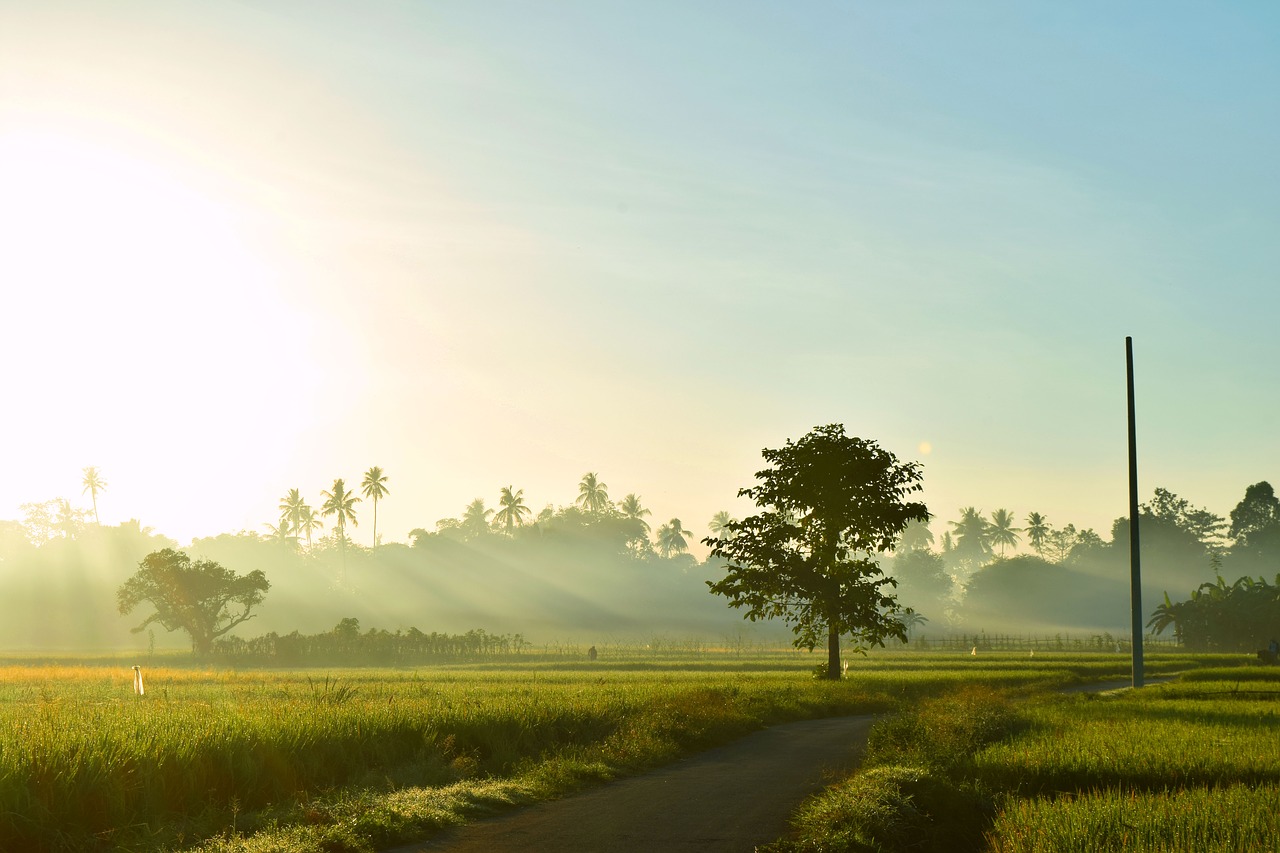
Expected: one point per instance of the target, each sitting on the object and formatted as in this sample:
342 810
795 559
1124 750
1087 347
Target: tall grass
1184 766
1233 818
1190 766
351 759
86 765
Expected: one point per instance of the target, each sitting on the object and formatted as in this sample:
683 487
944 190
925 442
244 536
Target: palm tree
719 525
291 510
70 521
916 536
282 532
911 620
93 483
513 510
1002 531
630 508
475 519
309 521
374 487
593 495
341 503
973 537
671 538
1037 531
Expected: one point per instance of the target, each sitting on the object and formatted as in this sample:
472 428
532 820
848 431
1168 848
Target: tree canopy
831 503
202 598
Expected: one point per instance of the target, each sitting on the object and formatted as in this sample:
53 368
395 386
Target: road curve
724 800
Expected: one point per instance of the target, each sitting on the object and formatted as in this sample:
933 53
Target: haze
249 247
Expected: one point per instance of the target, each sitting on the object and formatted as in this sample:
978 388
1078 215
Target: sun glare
127 284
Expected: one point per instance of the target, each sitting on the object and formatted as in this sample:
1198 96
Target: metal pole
1135 570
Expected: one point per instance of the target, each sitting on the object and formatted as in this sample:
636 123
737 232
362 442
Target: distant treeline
594 576
346 645
971 576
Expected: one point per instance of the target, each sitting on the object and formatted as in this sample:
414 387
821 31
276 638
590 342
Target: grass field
360 759
1193 765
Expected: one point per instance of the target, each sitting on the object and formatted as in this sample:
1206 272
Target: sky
253 246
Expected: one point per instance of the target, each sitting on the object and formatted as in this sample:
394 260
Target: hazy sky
252 246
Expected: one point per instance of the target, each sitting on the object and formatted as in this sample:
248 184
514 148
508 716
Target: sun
131 288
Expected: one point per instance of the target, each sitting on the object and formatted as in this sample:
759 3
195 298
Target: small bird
137 681
974 651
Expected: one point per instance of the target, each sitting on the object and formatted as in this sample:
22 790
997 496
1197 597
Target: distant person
591 653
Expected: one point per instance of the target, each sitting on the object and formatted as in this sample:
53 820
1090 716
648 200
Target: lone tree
831 503
202 598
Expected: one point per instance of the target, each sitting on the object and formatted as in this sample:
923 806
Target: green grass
357 758
360 759
1191 765
1232 818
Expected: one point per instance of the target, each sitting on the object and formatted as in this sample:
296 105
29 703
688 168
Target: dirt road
725 800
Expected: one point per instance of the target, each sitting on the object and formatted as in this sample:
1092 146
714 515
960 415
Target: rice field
1189 765
1192 766
358 759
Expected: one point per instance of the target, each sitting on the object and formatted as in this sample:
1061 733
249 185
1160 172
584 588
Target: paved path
725 800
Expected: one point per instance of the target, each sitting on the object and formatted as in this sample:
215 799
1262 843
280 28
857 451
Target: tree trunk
201 643
833 652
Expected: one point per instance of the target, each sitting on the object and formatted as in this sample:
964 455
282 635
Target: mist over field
599 574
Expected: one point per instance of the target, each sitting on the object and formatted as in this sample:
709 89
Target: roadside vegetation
1185 766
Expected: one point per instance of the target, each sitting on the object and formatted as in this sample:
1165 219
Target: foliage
972 540
1255 527
93 483
1002 533
916 536
631 508
593 495
1037 530
202 598
1026 591
346 646
1240 617
475 520
923 582
513 512
831 502
671 538
374 487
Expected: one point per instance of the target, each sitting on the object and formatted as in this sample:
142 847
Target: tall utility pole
1135 570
